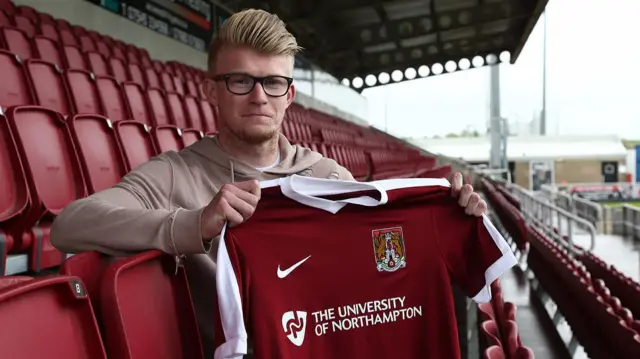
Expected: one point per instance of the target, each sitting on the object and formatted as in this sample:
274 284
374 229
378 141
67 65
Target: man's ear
210 91
291 95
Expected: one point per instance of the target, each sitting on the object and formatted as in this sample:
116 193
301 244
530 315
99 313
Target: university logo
295 325
388 249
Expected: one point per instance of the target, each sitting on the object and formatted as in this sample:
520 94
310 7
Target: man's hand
471 201
234 203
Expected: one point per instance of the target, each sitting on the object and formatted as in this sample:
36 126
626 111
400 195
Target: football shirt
335 269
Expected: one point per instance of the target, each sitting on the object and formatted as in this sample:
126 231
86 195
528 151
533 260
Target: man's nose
257 95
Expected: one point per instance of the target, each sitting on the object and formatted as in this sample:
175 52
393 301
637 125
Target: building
536 160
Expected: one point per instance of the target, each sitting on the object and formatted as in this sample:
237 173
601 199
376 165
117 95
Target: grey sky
593 80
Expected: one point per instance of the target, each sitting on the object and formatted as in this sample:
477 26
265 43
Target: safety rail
582 207
555 222
630 221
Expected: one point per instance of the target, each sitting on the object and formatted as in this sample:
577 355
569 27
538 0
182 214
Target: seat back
135 143
138 106
176 108
208 117
14 87
158 107
13 186
73 56
97 146
191 136
89 267
193 113
167 138
53 313
147 309
112 99
51 165
17 41
49 86
48 50
83 91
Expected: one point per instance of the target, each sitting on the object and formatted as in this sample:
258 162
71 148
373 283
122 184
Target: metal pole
495 125
543 114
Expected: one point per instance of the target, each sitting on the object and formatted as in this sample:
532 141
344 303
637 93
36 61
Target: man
179 202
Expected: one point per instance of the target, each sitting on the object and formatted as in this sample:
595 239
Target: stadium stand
602 318
73 123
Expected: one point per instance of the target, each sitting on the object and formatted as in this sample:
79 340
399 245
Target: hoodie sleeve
134 215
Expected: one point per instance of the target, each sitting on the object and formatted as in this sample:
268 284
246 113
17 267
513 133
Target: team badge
388 248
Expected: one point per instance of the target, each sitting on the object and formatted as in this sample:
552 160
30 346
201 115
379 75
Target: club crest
388 249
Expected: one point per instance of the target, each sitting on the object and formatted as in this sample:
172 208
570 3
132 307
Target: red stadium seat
54 176
49 86
158 107
137 324
177 110
83 91
135 142
192 89
14 87
25 24
112 99
208 117
97 64
48 50
103 48
89 267
67 38
73 58
12 180
118 69
97 146
135 74
167 138
190 136
87 44
166 82
193 113
17 41
152 79
135 97
49 317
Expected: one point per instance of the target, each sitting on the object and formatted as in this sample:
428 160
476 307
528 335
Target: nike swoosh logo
286 272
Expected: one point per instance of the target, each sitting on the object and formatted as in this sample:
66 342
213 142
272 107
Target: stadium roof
354 39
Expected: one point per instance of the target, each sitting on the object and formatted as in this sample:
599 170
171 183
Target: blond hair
257 29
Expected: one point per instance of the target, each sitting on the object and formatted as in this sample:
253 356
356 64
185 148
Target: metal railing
554 221
583 208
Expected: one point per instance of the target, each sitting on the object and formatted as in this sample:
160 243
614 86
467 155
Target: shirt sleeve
230 334
473 250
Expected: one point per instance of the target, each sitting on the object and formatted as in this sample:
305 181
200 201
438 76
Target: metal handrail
541 213
630 219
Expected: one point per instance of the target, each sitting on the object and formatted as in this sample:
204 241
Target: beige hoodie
158 206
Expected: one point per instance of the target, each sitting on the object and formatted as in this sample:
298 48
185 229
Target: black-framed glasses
242 84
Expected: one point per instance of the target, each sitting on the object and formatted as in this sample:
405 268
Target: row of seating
507 209
621 286
499 337
600 321
98 306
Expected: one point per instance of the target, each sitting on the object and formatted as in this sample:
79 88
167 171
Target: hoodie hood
293 159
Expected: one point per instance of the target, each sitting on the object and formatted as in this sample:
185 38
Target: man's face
255 117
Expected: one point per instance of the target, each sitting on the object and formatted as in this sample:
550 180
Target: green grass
617 204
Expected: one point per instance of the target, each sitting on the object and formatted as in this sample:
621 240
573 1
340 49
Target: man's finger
229 214
456 184
481 208
465 195
242 207
471 207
